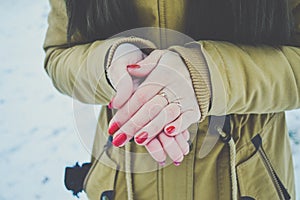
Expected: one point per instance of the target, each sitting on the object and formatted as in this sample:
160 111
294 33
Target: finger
149 111
137 100
156 150
186 135
181 123
118 75
124 90
136 83
154 127
182 143
144 115
171 147
144 67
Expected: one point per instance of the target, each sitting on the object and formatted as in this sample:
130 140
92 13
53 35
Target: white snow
36 122
38 138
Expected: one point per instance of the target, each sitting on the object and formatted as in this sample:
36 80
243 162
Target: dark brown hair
237 21
100 19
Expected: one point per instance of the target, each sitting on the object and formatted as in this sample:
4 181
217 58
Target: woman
245 65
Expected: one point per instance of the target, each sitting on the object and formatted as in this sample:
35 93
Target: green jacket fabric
251 85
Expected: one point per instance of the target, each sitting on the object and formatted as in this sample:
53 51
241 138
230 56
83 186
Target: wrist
199 73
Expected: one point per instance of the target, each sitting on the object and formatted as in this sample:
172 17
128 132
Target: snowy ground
36 122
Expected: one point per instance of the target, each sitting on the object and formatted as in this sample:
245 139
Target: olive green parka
251 86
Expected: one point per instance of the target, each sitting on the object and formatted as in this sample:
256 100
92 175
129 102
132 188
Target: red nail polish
177 163
170 129
133 66
110 104
119 140
113 128
141 137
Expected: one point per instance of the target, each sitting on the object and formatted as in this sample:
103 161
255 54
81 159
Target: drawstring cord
226 138
127 160
128 172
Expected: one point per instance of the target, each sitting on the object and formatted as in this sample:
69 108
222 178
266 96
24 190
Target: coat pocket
257 178
101 178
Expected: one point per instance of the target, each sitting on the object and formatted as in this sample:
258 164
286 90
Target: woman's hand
175 146
126 84
125 57
164 101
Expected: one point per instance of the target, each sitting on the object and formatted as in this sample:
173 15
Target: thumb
144 67
124 89
118 75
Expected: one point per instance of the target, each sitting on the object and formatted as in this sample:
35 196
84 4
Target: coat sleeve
79 71
248 79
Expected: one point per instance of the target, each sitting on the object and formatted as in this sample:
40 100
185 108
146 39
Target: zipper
271 171
281 190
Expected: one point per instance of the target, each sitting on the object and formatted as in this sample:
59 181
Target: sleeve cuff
142 44
199 72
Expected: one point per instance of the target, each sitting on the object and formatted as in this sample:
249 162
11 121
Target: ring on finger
178 103
163 94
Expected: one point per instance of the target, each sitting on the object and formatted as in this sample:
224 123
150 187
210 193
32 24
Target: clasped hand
155 102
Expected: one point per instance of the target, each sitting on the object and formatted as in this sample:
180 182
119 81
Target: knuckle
159 99
173 110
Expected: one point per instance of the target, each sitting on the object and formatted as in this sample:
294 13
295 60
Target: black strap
74 177
247 198
107 195
257 141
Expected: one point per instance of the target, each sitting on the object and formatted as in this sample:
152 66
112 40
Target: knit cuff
199 72
143 44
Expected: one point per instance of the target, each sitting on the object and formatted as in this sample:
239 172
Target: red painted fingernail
119 140
170 129
177 163
141 137
110 104
113 128
162 163
134 66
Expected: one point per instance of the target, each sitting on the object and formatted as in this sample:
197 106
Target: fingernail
110 104
119 140
113 128
162 163
133 66
170 129
141 137
177 163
